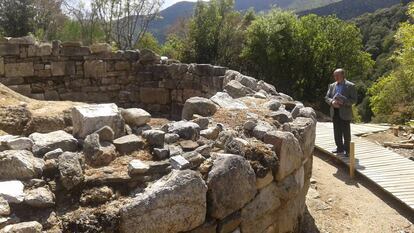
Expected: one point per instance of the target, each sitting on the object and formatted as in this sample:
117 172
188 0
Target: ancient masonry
237 158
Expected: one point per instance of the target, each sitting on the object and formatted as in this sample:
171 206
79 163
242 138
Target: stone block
1 66
179 162
230 223
100 48
135 116
177 201
94 69
137 167
24 69
44 49
9 50
89 118
58 68
19 164
12 191
23 227
45 142
200 106
75 51
24 40
129 143
150 95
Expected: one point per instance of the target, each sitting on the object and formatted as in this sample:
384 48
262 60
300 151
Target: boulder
198 105
247 81
12 191
176 203
225 101
257 215
135 116
20 143
23 227
40 198
19 164
272 105
231 176
288 150
4 207
105 134
90 118
281 115
186 129
262 85
304 130
45 142
70 170
129 143
98 153
237 90
154 138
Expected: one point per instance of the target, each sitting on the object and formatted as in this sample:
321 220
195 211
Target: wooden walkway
389 170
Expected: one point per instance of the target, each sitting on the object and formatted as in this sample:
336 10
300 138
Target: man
341 96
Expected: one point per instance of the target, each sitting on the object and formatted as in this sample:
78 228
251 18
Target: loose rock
154 138
128 144
23 227
198 105
186 129
70 169
19 164
40 198
43 143
136 116
12 191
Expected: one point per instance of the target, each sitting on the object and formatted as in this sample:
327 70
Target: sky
171 2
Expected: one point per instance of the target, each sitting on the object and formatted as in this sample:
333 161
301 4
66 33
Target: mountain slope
184 9
348 9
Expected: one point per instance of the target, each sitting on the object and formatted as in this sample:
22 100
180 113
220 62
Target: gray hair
340 71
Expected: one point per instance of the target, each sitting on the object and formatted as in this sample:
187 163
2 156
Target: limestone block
12 191
23 227
24 40
90 118
94 69
19 164
150 95
198 105
135 116
231 176
129 143
178 201
40 198
237 90
100 48
304 130
74 51
44 49
70 170
45 142
58 68
225 101
185 129
137 166
179 162
288 149
24 69
256 215
9 50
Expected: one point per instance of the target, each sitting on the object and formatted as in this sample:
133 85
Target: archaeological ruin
95 140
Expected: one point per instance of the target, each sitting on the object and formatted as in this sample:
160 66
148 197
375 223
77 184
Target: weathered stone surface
54 154
100 48
154 138
171 138
87 119
24 69
225 101
288 149
256 216
135 116
97 153
40 198
272 105
282 116
105 134
186 129
129 143
188 145
263 182
1 64
198 105
147 95
207 227
230 223
148 56
261 128
262 85
178 200
70 170
96 195
247 81
12 191
202 121
230 176
43 143
20 143
4 207
161 153
308 113
9 49
19 164
179 162
212 132
137 167
304 130
23 227
237 90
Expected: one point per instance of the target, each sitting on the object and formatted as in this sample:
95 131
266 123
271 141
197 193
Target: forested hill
348 9
184 9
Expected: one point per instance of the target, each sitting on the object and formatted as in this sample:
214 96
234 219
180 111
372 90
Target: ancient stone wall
69 71
239 160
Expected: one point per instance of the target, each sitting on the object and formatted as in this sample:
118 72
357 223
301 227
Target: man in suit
341 96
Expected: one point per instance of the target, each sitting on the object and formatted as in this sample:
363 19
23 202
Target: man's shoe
336 151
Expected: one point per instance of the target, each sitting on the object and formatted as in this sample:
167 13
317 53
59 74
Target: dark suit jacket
349 91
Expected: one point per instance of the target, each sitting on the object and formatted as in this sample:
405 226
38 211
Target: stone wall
69 71
239 160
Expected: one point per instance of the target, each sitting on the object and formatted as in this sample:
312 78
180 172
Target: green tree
299 55
16 17
173 47
392 97
148 41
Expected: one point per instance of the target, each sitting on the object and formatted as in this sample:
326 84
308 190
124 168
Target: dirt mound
22 115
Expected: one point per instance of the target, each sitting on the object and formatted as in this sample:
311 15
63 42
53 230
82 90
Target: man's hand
336 104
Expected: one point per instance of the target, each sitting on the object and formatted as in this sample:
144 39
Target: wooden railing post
352 159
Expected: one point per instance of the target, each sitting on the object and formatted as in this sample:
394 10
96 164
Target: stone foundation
239 161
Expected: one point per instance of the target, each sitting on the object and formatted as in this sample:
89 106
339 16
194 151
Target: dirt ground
337 204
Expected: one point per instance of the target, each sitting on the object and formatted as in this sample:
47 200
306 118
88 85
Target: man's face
338 77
